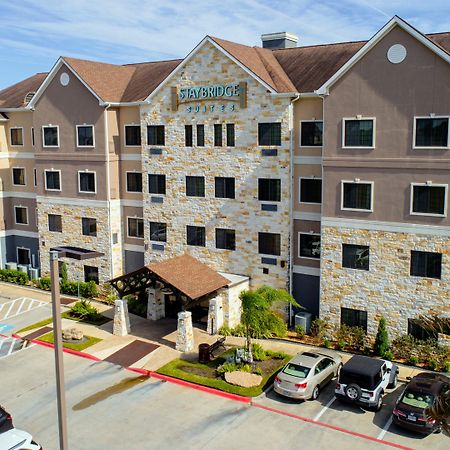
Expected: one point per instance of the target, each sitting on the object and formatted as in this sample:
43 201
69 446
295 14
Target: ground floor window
354 318
23 256
91 274
426 264
416 330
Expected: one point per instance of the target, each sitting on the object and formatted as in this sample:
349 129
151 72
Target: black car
420 393
5 420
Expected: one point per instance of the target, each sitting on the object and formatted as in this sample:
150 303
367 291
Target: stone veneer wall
72 235
118 252
244 162
387 289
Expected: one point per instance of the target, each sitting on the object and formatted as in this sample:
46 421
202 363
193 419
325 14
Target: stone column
215 315
185 332
155 305
121 325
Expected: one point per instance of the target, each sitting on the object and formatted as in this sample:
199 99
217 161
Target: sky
34 33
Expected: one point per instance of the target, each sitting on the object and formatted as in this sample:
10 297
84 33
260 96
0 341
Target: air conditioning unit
33 273
303 319
22 268
11 266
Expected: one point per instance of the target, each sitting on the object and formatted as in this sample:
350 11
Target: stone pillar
185 332
155 305
215 315
121 325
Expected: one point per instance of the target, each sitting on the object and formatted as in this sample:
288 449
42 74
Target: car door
320 372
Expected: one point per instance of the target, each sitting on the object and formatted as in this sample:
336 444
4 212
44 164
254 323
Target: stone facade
121 325
185 332
386 289
244 162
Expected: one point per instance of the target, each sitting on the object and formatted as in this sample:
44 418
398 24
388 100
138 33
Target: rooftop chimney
279 40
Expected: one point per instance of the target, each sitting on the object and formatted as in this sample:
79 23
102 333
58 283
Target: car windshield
296 371
417 399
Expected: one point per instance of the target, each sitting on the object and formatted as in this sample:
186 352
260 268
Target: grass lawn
81 346
40 324
205 374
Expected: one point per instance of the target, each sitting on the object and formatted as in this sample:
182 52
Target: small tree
381 345
64 274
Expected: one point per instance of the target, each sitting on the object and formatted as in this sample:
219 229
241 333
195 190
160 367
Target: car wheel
353 392
315 393
393 383
379 403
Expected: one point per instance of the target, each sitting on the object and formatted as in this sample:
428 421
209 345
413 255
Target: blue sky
34 33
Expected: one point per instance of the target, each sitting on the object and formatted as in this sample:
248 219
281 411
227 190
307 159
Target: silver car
306 374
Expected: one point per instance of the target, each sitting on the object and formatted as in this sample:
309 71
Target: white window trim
300 134
93 136
300 190
126 182
10 137
125 134
15 217
308 234
357 182
45 180
128 226
411 200
43 139
23 248
430 148
24 176
374 133
79 182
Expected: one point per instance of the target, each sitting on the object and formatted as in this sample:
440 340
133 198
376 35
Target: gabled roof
14 96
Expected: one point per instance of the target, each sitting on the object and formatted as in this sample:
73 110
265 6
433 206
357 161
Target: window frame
26 214
230 126
150 231
226 230
270 181
158 175
424 276
93 135
354 268
421 147
82 229
32 137
218 134
43 136
79 182
125 135
359 312
45 180
188 126
203 142
10 137
204 236
126 182
48 223
300 190
196 177
23 248
270 145
300 133
411 199
372 185
164 135
312 258
269 254
84 274
24 176
128 227
374 131
216 180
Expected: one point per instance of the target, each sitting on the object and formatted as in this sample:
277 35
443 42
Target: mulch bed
37 333
131 353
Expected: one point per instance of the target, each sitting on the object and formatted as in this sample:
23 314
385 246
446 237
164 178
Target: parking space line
319 415
21 306
12 350
33 304
385 428
9 310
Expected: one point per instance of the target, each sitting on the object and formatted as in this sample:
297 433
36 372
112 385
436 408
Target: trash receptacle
203 353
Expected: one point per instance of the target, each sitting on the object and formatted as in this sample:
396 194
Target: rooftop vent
279 40
28 97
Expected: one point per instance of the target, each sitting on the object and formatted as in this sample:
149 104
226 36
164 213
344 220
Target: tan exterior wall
131 211
130 115
23 120
130 166
306 109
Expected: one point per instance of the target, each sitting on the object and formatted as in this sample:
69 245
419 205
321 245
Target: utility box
303 319
22 268
11 266
33 273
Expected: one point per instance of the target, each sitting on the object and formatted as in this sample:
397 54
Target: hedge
14 276
87 289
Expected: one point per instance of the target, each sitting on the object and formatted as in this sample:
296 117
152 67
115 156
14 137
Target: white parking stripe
12 348
20 307
386 427
318 416
9 310
32 304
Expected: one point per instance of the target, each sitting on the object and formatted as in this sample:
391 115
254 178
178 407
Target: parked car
363 381
306 374
5 420
420 393
15 439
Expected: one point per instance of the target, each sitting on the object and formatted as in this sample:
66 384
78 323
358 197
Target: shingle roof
14 96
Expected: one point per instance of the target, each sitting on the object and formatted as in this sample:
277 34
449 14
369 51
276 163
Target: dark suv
363 381
420 393
5 420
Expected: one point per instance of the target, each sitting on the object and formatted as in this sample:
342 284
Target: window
359 133
416 330
86 182
195 186
355 256
225 239
430 200
158 231
269 189
269 243
21 215
55 223
89 226
224 187
16 136
200 135
52 180
310 190
18 174
135 227
132 135
188 142
134 182
157 184
431 132
155 135
50 136
309 245
32 136
269 133
354 318
357 196
23 256
35 177
426 264
85 136
218 135
195 236
91 274
230 135
311 133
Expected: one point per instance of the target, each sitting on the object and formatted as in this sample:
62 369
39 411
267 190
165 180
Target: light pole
59 363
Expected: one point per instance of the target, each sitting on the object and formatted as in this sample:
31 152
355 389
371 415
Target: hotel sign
205 92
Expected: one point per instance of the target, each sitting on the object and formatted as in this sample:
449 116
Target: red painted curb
141 371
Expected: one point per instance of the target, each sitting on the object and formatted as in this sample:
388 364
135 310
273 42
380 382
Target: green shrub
227 367
43 283
276 355
64 274
300 331
433 364
14 276
319 327
89 289
225 331
259 354
388 355
238 330
84 310
367 350
258 371
354 337
403 346
341 345
381 345
413 360
326 342
447 366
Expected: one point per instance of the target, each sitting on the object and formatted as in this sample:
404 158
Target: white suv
363 380
15 439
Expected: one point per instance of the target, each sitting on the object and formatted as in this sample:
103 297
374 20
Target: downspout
108 186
